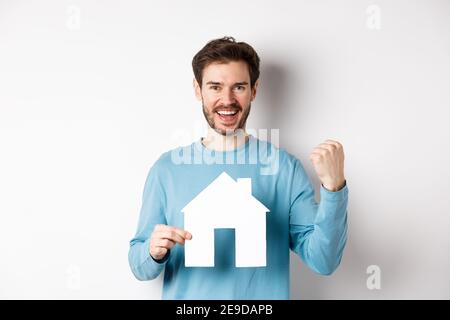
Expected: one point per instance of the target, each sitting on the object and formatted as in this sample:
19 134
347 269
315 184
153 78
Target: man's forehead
230 72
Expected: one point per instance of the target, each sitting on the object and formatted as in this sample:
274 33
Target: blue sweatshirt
316 232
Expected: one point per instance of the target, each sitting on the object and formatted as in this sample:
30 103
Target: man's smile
228 116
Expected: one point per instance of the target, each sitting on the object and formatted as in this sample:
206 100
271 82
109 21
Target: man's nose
228 97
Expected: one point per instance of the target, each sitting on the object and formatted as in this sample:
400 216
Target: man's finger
321 150
164 243
181 232
333 142
328 146
171 235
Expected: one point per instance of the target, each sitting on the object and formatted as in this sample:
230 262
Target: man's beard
209 116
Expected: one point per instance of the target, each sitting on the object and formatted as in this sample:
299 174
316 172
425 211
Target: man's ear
197 90
254 89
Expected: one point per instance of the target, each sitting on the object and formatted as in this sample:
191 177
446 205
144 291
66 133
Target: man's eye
214 88
240 88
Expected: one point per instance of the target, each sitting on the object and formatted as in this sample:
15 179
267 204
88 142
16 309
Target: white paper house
226 203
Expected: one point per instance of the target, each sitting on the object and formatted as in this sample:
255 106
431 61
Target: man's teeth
227 113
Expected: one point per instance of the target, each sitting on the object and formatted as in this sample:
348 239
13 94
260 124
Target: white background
92 92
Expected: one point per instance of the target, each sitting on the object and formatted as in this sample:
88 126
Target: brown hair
224 50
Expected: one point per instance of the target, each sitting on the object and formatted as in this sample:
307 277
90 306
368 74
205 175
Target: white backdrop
92 92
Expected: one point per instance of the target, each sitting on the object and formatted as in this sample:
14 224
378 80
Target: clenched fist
328 161
164 238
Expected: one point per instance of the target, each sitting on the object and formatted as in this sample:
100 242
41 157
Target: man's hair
224 50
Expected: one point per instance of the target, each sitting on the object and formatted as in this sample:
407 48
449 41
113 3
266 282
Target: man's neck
216 141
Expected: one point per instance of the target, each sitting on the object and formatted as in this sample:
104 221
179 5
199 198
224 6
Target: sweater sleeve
152 212
317 232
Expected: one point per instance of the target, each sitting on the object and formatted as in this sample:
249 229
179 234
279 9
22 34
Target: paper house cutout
226 203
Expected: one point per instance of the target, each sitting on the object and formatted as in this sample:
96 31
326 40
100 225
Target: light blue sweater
316 232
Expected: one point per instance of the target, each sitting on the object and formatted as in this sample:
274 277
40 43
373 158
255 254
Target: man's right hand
164 238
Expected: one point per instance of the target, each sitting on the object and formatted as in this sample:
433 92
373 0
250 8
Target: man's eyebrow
242 83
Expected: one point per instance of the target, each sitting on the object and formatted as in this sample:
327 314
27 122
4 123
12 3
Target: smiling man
226 81
226 102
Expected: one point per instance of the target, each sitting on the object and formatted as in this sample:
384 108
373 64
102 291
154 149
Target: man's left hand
328 161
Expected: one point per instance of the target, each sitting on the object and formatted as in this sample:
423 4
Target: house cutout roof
226 191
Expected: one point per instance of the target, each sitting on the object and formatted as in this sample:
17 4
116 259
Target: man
226 81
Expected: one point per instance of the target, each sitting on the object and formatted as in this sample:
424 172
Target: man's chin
225 132
230 131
